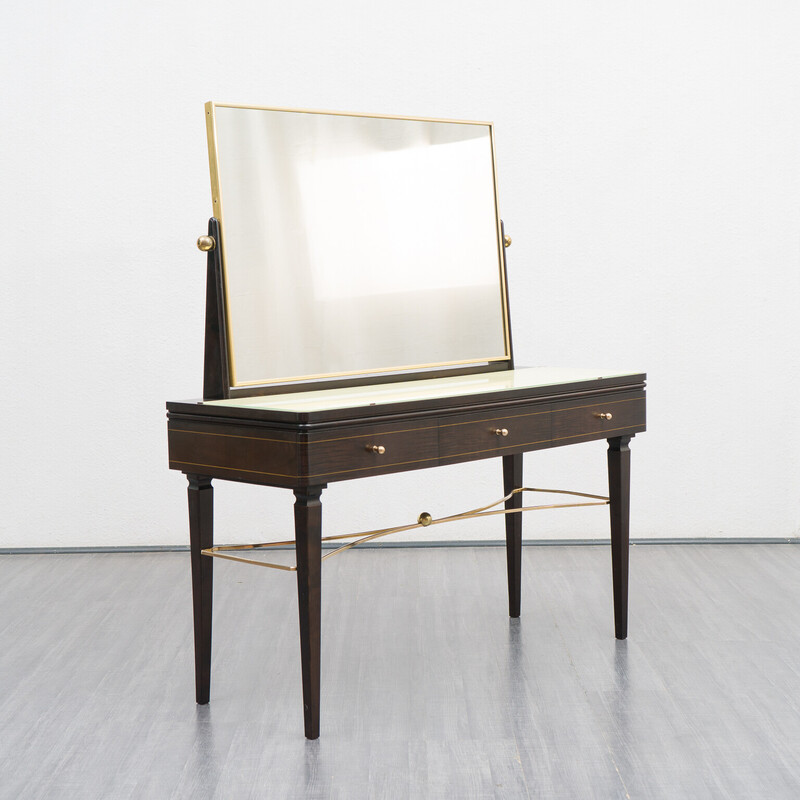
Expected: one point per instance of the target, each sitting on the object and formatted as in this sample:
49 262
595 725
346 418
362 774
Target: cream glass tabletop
414 390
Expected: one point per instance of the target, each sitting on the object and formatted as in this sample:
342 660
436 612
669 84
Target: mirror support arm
507 294
216 377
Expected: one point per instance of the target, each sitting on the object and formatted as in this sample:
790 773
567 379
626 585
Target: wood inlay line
535 413
498 450
408 430
603 433
231 469
291 441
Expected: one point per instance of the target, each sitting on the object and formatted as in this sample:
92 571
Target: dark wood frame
304 451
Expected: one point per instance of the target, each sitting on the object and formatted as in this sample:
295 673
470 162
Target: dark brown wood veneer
304 451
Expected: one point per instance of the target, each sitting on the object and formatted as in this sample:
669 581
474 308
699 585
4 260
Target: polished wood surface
512 479
215 362
619 489
201 536
308 532
251 453
280 454
341 453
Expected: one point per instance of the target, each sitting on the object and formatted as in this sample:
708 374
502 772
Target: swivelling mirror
355 244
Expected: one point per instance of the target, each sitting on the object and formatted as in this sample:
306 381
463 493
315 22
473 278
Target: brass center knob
206 243
603 415
507 240
376 448
501 431
424 519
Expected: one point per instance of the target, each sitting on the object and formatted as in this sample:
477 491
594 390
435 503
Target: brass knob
376 448
206 243
507 240
424 519
601 415
501 431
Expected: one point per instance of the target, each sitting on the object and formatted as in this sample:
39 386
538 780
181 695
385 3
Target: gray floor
428 689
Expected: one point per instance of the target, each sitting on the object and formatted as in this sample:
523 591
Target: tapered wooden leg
201 535
512 479
619 493
308 535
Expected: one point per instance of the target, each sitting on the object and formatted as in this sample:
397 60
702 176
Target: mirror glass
354 244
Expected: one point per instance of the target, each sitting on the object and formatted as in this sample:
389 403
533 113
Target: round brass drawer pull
206 243
424 519
501 431
376 448
603 415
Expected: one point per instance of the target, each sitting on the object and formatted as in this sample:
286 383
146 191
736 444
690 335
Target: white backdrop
649 166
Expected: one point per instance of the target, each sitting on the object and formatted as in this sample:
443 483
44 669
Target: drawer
343 453
234 452
482 435
617 415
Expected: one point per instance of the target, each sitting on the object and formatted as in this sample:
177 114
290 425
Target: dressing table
357 324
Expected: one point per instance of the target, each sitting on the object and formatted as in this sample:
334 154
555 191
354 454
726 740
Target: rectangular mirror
356 244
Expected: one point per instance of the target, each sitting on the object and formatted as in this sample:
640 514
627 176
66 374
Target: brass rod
214 552
366 536
466 515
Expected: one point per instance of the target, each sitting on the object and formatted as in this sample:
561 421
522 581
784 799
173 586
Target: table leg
308 534
201 536
512 479
619 493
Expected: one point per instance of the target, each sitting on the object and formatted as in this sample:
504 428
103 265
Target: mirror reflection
355 244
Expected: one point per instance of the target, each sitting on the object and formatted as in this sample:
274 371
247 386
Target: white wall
649 175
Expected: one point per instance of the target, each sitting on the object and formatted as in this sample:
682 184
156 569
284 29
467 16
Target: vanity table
357 324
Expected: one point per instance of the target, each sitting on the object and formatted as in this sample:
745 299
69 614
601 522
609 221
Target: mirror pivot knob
206 243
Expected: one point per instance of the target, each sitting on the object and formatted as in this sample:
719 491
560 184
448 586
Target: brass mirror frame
419 370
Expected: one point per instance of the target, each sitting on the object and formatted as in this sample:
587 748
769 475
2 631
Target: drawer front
356 452
482 435
617 415
281 457
233 452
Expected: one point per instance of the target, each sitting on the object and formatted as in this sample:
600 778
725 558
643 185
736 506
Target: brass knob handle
501 431
206 243
424 519
506 241
376 448
601 415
